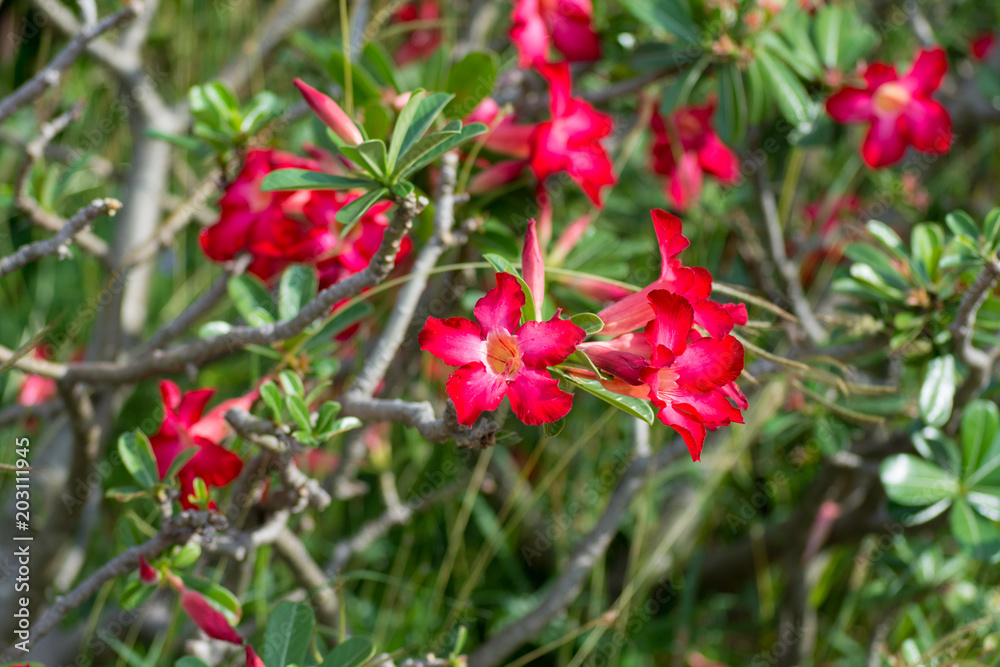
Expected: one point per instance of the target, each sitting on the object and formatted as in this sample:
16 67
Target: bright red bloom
565 24
571 140
421 42
211 622
690 378
694 284
184 426
36 389
686 147
282 228
330 113
500 357
981 45
899 109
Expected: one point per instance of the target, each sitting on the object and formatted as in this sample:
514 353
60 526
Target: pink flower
566 24
570 141
533 267
899 109
36 389
184 427
506 136
422 42
211 622
330 113
147 574
685 148
694 284
981 45
688 377
282 228
500 357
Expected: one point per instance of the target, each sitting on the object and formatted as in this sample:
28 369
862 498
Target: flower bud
330 113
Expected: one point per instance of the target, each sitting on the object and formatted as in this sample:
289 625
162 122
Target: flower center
891 98
502 354
688 127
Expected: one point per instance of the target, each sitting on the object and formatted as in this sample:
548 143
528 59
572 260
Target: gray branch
980 362
421 417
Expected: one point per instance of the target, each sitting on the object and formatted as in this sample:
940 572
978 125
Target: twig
980 362
787 268
196 352
20 360
16 413
309 575
57 244
50 76
421 417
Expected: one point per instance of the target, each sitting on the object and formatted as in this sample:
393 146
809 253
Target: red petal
214 426
548 343
455 341
474 390
689 427
560 85
737 311
592 170
170 394
669 238
215 464
501 307
713 318
685 186
928 126
575 39
529 34
708 364
850 105
253 660
885 143
533 267
719 160
147 574
671 325
927 70
211 622
536 398
879 73
715 410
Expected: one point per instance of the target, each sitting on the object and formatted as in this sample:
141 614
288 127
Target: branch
421 417
50 76
200 351
57 244
788 269
309 575
174 531
13 414
980 362
20 360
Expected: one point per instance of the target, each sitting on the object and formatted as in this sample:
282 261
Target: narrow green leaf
938 391
252 300
793 100
272 399
303 179
673 16
757 98
137 456
300 412
979 428
421 118
961 224
731 113
888 238
633 406
927 241
213 329
468 132
378 62
291 383
350 214
424 146
588 322
134 594
677 93
829 20
327 413
975 533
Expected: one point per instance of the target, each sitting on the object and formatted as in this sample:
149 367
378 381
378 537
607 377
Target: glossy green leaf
413 121
213 329
673 16
300 412
927 241
304 179
829 21
350 214
377 61
888 238
979 428
186 556
286 639
589 322
370 156
264 107
911 480
471 81
425 146
633 406
468 132
757 98
731 112
977 535
961 224
271 396
137 457
938 391
252 300
327 413
878 261
792 98
291 383
352 652
991 229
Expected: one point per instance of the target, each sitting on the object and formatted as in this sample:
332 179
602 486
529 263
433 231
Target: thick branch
309 575
421 417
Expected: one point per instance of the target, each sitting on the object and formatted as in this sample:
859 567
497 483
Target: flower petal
214 426
529 34
533 267
253 660
670 327
501 307
928 125
850 105
211 622
719 160
548 343
536 398
925 74
685 187
879 73
687 426
560 85
713 318
574 38
708 364
885 142
455 341
474 390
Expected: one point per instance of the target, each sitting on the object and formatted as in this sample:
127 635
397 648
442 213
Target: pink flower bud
211 622
330 113
147 574
253 660
533 267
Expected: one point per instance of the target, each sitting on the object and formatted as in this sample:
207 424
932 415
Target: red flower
500 357
686 147
183 427
899 108
211 622
566 24
570 141
421 42
688 377
147 574
694 284
981 46
330 113
282 228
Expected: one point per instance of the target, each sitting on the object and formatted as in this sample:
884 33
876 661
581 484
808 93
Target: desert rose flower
899 109
571 140
498 356
694 284
184 427
330 113
686 148
565 24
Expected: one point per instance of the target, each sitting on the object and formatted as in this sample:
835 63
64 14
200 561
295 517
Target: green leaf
190 661
878 262
471 81
187 143
303 179
468 132
186 556
991 228
213 329
272 399
424 146
340 426
633 406
588 322
795 32
829 20
674 16
980 424
503 265
300 412
137 456
376 120
252 300
938 391
339 322
370 156
888 238
327 413
286 639
867 275
134 594
217 596
296 289
352 652
414 120
731 114
379 63
757 98
927 241
910 480
350 214
180 461
977 535
291 383
792 98
677 93
264 107
962 224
